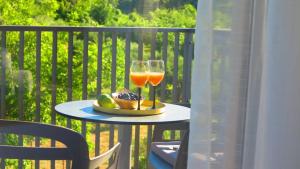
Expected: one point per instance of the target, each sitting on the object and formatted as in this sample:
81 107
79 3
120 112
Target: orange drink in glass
139 76
155 78
156 75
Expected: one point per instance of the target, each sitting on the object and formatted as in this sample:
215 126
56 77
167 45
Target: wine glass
156 75
139 76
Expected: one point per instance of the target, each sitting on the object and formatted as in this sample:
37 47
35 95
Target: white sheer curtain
246 86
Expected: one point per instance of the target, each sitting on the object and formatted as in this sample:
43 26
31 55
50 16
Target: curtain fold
258 44
245 75
201 141
278 133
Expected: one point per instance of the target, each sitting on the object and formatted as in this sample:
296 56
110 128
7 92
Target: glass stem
154 87
139 98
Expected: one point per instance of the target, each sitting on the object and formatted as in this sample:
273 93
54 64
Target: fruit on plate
126 99
127 96
105 100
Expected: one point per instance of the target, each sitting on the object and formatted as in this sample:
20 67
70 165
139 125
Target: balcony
44 66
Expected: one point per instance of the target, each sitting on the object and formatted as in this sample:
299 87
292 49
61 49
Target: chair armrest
113 152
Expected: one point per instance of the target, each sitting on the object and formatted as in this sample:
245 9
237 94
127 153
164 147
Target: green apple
105 100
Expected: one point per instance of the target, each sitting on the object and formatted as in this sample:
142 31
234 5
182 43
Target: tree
103 11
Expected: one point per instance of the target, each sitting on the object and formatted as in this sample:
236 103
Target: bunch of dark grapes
128 96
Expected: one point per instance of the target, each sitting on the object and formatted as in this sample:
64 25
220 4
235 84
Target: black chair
76 148
169 154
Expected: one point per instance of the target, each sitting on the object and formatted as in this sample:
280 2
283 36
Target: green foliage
103 11
177 3
142 6
74 11
26 12
159 18
175 18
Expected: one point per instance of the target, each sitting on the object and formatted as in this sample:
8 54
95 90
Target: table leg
125 151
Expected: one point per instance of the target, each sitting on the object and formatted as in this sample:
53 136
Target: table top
83 110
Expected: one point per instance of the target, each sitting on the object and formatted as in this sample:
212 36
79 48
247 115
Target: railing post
175 69
187 64
70 79
84 76
190 54
3 73
125 131
54 87
99 85
3 88
127 59
164 57
38 88
125 151
21 89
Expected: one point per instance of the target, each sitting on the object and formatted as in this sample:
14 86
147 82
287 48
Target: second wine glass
156 75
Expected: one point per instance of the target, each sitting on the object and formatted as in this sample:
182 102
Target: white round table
83 110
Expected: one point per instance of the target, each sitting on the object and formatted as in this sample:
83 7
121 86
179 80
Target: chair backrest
181 160
112 154
76 147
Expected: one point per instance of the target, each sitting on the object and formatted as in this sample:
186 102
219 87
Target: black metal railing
71 63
